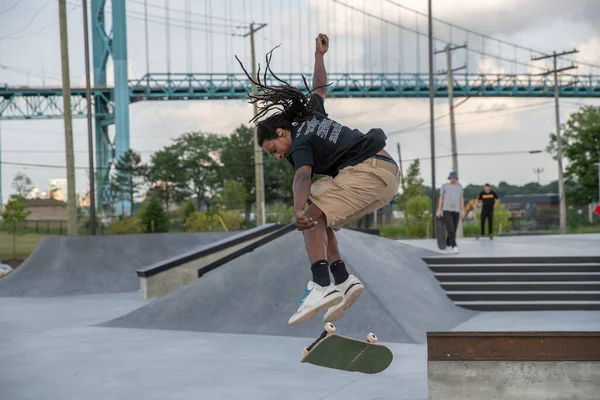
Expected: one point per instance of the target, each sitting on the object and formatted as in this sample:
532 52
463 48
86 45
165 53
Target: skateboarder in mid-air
490 200
359 178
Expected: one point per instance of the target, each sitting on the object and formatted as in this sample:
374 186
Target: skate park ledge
509 365
162 278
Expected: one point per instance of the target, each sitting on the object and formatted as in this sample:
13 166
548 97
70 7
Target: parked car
5 270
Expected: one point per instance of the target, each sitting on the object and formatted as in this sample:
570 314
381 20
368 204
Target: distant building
46 209
58 189
528 206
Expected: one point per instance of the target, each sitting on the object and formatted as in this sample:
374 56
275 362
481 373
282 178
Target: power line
181 20
29 23
479 154
438 39
35 165
486 36
191 13
10 8
43 28
158 19
426 123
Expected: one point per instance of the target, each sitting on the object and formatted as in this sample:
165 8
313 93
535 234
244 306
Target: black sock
339 271
320 273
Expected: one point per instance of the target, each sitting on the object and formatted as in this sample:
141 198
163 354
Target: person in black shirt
490 200
359 178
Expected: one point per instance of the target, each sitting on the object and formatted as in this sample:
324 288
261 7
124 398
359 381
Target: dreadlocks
292 105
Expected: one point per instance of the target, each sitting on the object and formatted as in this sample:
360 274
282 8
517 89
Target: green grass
24 246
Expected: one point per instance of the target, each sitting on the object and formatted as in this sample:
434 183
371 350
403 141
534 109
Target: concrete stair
520 283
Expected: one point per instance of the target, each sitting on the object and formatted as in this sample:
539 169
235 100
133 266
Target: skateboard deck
331 350
440 232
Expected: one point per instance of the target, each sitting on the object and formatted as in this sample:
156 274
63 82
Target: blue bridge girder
46 103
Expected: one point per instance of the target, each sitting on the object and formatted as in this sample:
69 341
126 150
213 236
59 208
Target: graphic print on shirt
312 124
335 133
323 128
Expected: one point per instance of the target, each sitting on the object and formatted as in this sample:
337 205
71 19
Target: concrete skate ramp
258 292
94 265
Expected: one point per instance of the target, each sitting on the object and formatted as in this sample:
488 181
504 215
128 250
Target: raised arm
319 74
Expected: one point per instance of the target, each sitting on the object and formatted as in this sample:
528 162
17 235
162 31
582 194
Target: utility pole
400 165
448 49
66 92
431 119
561 179
538 171
449 71
258 154
88 95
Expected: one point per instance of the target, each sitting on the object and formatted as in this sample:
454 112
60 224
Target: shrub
209 222
393 231
280 213
125 226
417 217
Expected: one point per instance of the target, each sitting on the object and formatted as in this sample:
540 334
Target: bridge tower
111 44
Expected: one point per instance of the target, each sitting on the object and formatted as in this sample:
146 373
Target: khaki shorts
356 191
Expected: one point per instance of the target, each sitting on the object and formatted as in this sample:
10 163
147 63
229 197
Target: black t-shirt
488 199
329 146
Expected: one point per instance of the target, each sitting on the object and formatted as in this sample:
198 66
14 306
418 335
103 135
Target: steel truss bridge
45 103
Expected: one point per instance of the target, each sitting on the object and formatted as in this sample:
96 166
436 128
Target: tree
22 184
185 210
237 157
166 174
15 212
412 184
129 177
233 195
197 154
153 218
581 149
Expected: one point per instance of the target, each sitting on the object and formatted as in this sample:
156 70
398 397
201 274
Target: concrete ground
50 350
54 349
519 246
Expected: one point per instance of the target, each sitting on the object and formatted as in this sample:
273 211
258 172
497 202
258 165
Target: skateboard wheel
371 338
304 351
329 327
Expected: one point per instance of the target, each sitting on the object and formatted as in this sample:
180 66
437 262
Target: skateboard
331 350
440 232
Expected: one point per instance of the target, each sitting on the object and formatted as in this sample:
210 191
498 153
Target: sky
30 56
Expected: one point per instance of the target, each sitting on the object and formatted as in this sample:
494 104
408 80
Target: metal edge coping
247 249
219 245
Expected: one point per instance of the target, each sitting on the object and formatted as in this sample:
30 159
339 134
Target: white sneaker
351 288
455 249
316 298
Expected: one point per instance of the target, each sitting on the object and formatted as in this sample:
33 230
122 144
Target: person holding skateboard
490 200
359 178
451 208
